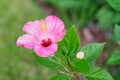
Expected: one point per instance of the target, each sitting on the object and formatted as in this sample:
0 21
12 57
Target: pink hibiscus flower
43 35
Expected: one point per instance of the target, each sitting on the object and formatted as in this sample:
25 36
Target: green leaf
116 34
61 77
116 17
98 74
105 15
70 43
114 59
80 66
117 76
115 4
48 62
92 51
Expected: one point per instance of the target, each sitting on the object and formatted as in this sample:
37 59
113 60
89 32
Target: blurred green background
18 63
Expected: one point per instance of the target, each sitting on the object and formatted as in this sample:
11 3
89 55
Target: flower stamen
43 26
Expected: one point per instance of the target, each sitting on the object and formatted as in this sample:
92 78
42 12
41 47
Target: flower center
46 42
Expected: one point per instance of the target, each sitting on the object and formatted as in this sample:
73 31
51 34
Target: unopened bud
80 55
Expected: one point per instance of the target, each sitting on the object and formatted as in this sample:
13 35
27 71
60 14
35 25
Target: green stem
68 62
74 74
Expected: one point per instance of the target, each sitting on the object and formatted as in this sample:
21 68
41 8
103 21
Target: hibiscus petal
54 24
52 48
27 41
59 36
33 28
46 51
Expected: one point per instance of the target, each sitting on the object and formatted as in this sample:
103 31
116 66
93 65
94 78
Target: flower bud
80 55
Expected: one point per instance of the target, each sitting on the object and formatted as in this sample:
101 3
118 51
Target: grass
18 63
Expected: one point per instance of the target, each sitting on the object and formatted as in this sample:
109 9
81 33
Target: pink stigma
46 42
